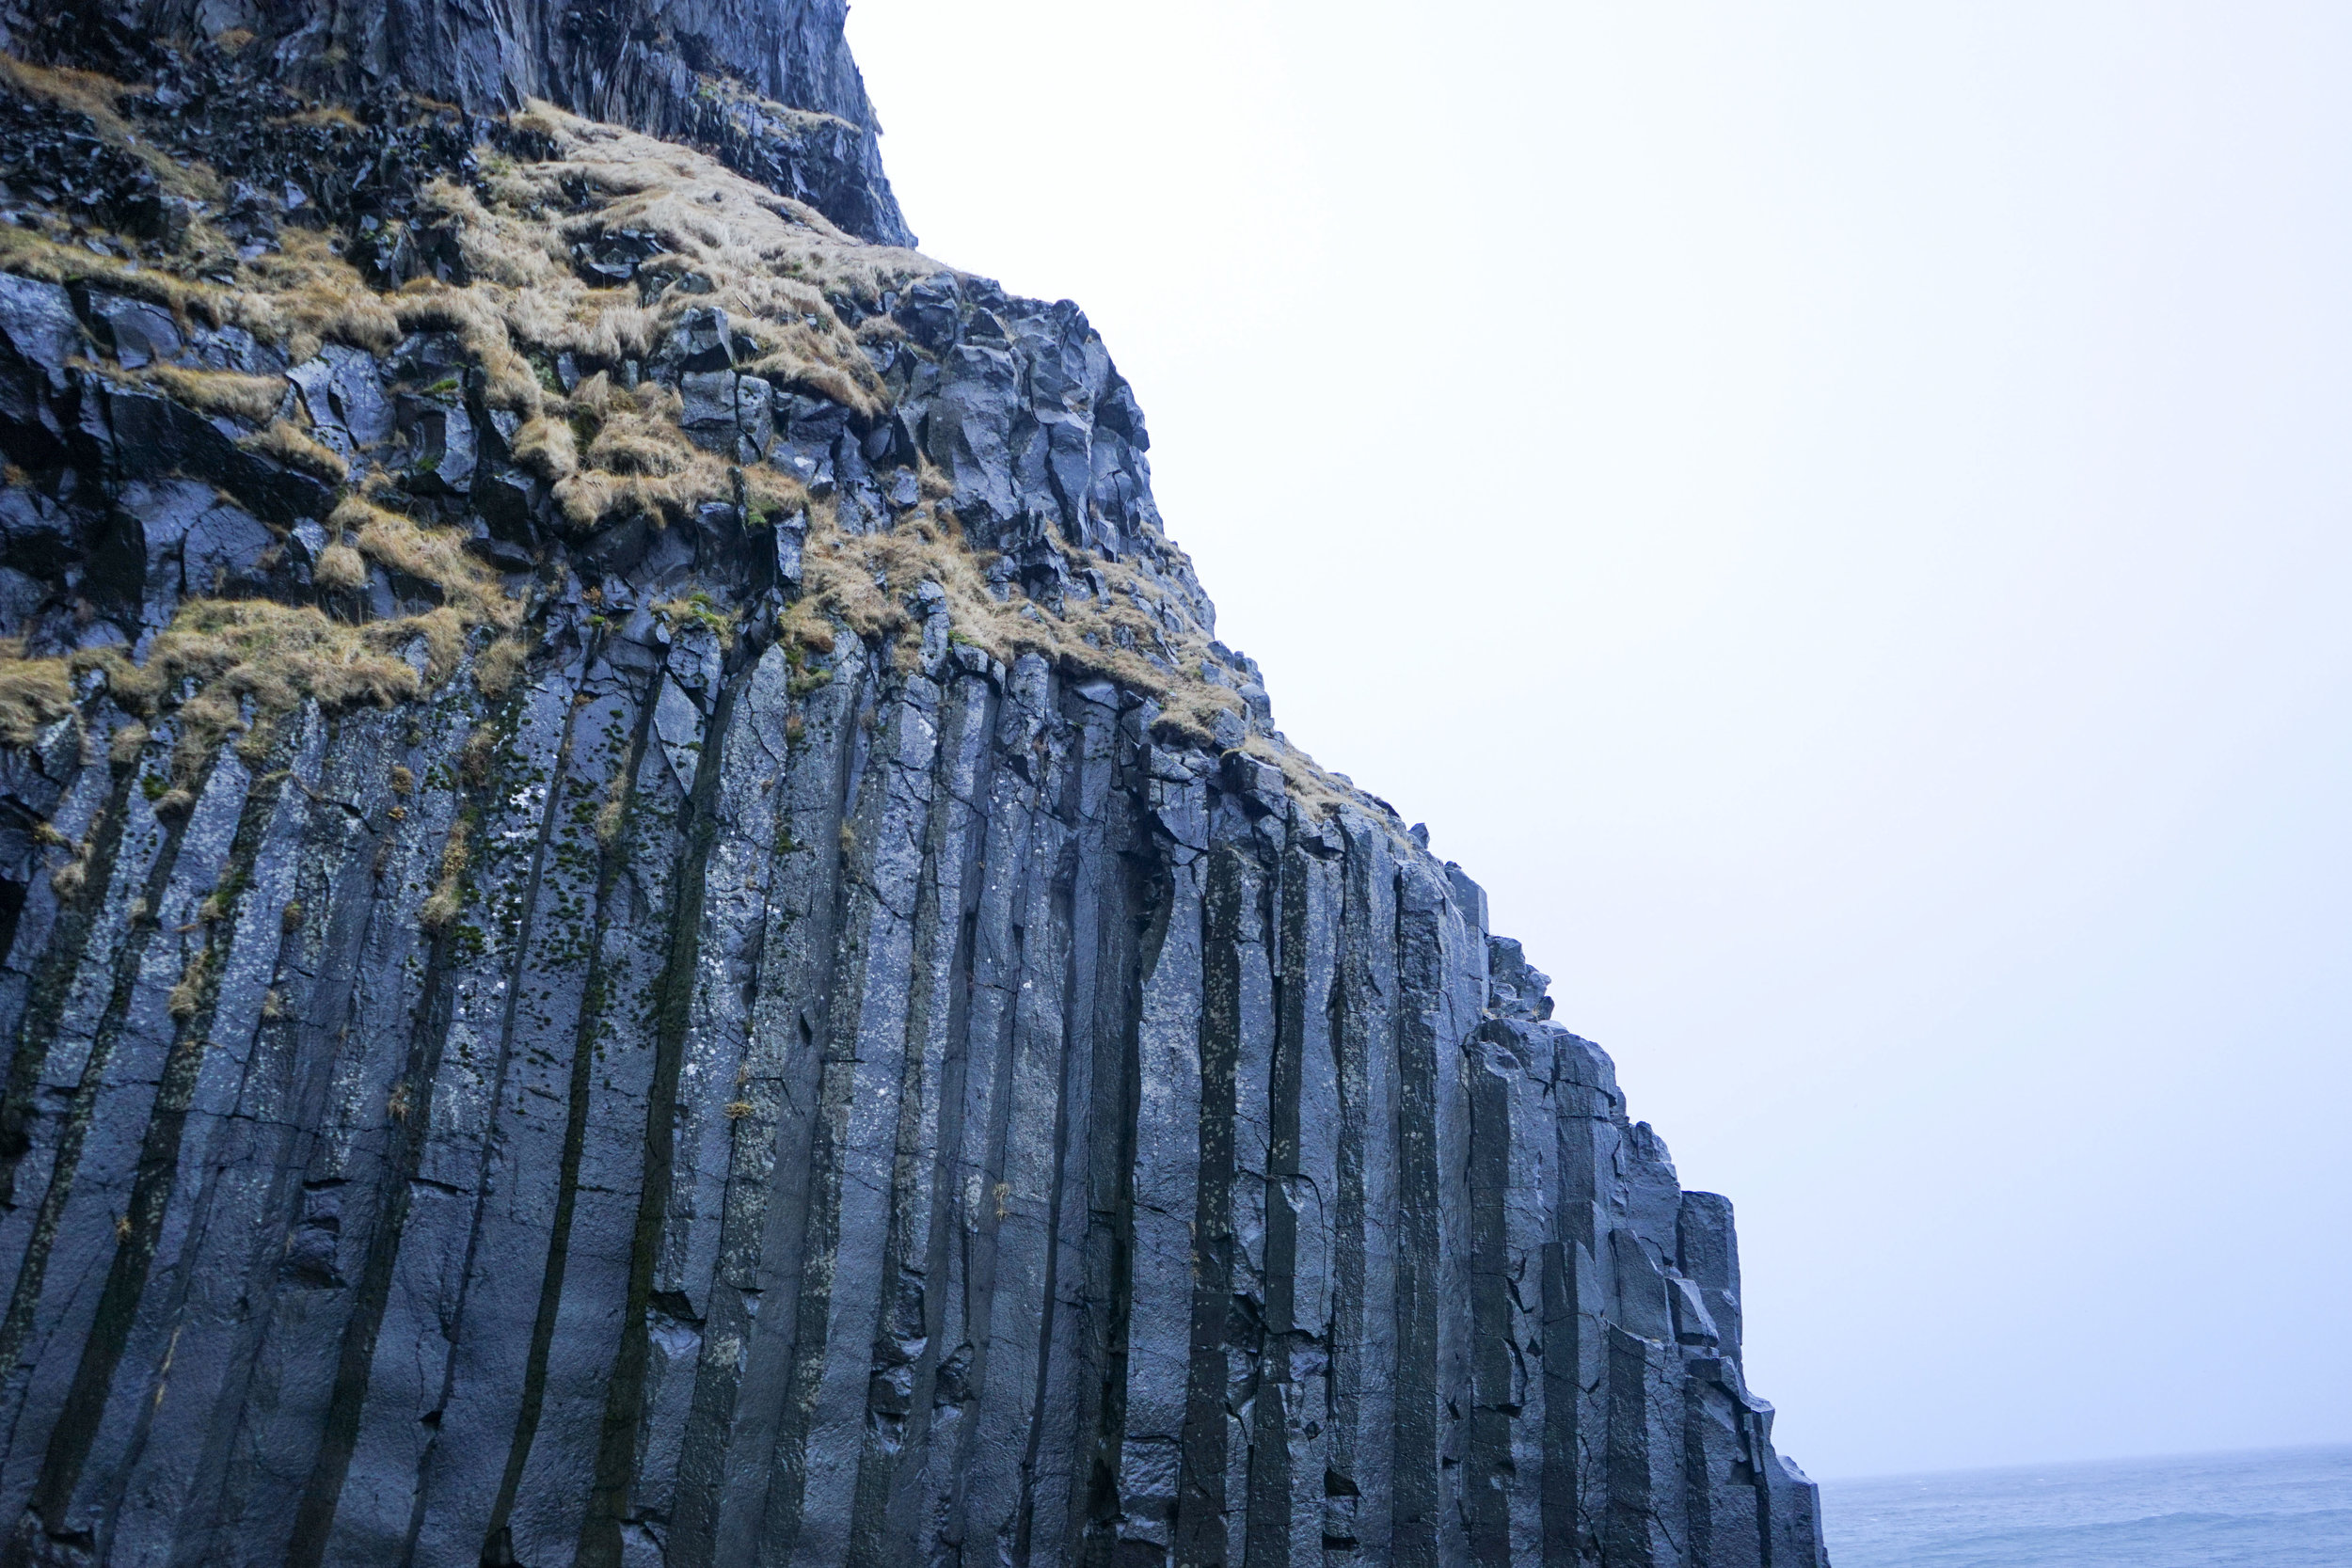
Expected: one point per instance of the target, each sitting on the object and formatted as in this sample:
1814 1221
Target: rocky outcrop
644 925
768 85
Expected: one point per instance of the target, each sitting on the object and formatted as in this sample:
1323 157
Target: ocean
2283 1509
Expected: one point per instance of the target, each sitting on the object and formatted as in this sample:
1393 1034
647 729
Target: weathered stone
136 332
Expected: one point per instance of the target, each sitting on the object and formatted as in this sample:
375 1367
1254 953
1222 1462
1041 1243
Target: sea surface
2288 1508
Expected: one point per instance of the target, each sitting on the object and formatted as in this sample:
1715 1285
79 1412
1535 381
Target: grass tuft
293 446
449 890
34 693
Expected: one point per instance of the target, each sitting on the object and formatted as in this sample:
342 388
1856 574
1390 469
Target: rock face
768 83
660 937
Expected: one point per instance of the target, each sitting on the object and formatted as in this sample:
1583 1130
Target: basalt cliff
644 924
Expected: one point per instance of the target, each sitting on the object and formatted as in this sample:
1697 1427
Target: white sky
1836 515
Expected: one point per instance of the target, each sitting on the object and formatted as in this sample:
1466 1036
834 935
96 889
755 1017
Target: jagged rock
769 87
441 443
796 1072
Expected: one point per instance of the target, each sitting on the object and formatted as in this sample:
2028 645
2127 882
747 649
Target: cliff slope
644 925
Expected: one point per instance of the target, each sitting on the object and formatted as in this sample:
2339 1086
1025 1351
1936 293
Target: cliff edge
645 924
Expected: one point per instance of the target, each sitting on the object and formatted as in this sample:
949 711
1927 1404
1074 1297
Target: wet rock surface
769 1081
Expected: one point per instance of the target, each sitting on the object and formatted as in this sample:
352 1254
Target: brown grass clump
547 448
188 995
497 667
340 568
441 907
293 446
32 255
70 878
804 629
84 92
1135 633
34 693
475 756
304 295
428 305
93 96
124 745
430 555
769 259
254 660
254 399
611 814
638 461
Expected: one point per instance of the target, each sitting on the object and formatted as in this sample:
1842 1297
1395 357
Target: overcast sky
1835 514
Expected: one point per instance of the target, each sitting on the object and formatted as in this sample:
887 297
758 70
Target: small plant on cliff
34 693
449 890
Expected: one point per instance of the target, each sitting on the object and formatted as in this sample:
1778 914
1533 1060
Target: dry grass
254 399
340 568
89 94
449 890
636 459
1138 634
331 115
34 693
33 255
430 555
289 444
124 745
616 807
268 659
498 667
295 299
304 295
769 260
1135 634
70 878
547 448
475 756
610 454
188 995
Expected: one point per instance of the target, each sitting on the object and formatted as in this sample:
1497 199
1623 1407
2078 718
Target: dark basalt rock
767 85
871 1105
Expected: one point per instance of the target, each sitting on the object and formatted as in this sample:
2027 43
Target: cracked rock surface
800 1014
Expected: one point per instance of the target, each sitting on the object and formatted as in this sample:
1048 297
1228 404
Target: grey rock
136 332
701 341
441 443
709 412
